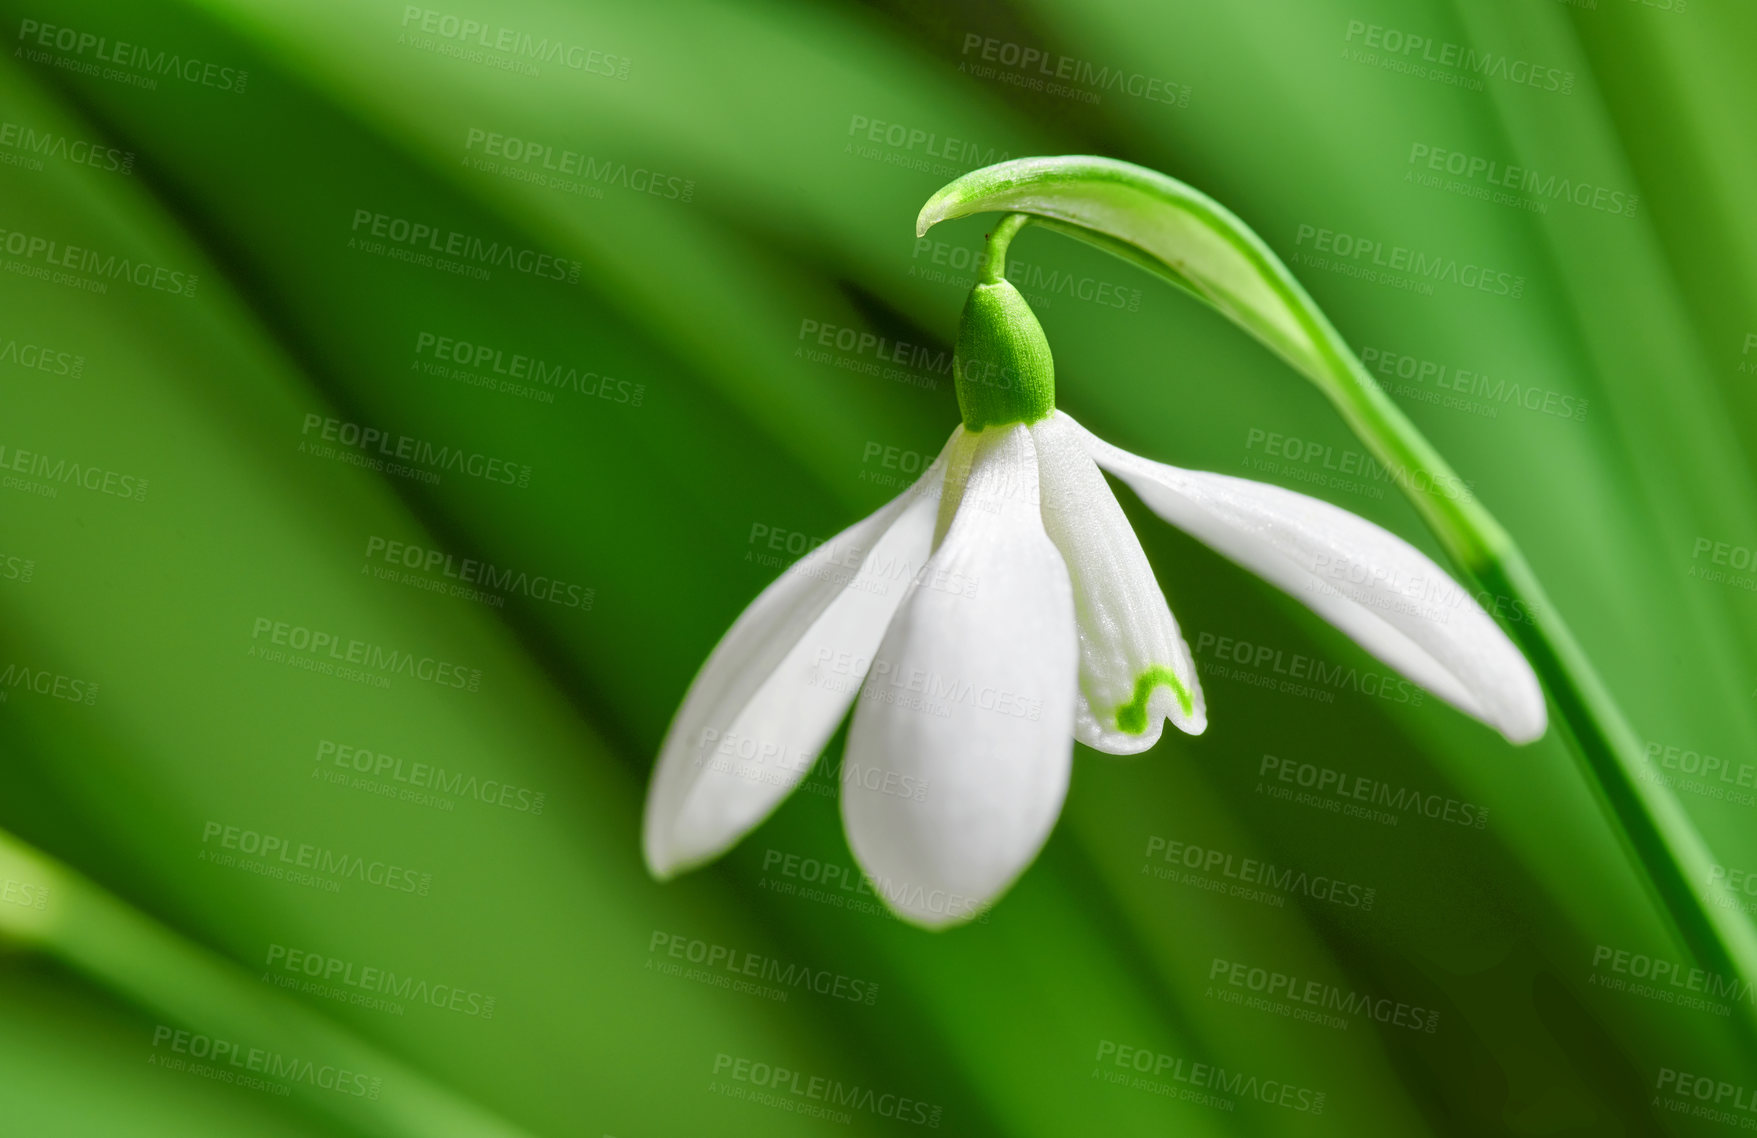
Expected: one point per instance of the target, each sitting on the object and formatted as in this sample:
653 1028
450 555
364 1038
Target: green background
808 135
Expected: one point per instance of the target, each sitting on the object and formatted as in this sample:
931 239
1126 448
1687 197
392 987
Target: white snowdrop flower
1001 608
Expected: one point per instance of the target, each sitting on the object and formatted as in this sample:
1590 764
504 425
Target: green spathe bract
1003 368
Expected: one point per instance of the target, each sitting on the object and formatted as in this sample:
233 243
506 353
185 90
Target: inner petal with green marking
1135 669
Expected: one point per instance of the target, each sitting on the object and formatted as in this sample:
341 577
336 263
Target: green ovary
1131 717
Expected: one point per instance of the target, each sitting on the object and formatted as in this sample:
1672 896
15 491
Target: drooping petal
1374 586
962 740
1135 668
774 689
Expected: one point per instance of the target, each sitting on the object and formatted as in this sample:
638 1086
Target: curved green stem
1195 243
1679 867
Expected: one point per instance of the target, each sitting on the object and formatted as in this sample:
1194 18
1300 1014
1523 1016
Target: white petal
1135 669
1374 586
959 754
774 689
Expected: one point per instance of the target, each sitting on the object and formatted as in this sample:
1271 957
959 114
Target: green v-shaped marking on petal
1131 717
